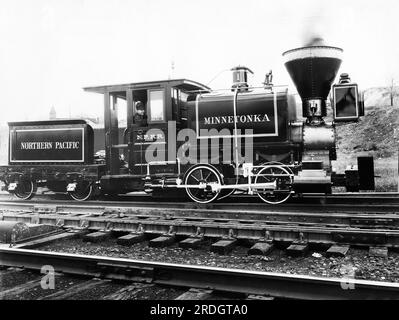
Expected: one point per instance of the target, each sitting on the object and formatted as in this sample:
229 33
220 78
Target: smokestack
313 69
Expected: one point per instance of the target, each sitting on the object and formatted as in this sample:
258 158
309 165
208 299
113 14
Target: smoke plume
315 27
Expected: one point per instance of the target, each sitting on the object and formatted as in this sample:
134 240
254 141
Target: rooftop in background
184 84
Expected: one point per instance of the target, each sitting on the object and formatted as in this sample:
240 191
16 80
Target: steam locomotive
189 138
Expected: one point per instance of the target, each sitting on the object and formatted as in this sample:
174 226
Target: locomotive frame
227 177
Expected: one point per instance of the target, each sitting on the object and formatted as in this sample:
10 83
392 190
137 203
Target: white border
46 161
313 52
275 134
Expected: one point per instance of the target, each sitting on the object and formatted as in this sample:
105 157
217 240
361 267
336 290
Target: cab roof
183 84
47 122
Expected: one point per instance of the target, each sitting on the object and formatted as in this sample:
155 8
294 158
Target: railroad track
194 279
328 228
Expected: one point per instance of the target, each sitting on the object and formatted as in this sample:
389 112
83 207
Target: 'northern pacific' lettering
39 145
67 145
45 145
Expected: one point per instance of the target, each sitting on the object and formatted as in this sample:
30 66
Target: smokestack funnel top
313 52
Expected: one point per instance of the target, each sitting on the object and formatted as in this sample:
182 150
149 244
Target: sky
50 50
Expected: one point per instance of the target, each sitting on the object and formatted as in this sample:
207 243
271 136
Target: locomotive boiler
181 136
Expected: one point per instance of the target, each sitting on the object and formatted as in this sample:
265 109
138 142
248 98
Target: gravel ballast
357 264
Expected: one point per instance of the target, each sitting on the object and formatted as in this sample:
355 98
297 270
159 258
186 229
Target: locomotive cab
145 147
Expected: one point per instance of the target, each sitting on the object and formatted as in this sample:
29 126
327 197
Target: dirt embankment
376 133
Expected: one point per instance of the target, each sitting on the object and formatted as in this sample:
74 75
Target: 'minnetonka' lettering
242 119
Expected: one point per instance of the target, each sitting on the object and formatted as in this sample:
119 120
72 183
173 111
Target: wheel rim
277 196
26 190
82 192
202 175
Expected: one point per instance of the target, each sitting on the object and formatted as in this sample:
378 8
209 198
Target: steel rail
102 206
309 207
307 199
220 279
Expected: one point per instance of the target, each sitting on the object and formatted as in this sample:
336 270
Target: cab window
156 106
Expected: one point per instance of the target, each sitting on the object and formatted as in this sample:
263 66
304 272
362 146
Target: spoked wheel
284 180
83 191
203 176
26 189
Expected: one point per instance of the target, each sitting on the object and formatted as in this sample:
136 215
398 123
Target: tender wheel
283 192
26 189
203 176
83 191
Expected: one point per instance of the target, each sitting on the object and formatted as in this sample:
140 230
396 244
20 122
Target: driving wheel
274 173
204 179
